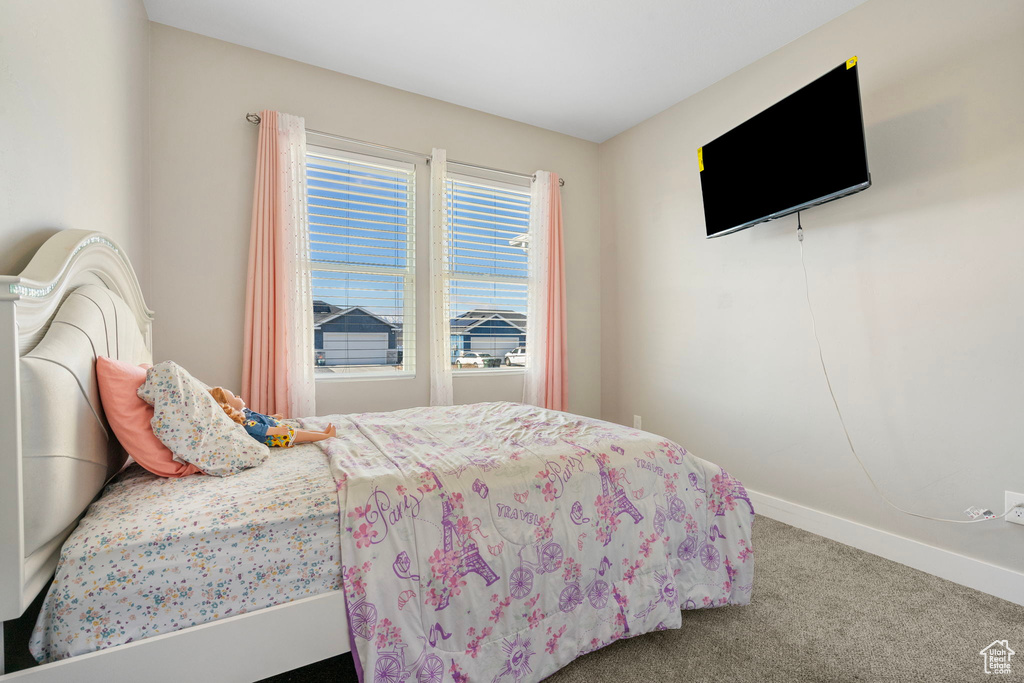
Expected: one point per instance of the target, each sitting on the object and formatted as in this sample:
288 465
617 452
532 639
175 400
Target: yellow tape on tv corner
851 62
700 157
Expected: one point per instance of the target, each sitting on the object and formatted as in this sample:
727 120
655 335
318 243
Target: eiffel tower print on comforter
497 542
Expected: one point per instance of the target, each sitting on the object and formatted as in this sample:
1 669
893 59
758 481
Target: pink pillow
129 417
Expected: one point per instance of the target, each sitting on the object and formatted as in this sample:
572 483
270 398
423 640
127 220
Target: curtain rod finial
253 118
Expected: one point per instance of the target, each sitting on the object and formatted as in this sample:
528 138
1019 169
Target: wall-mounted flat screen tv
805 150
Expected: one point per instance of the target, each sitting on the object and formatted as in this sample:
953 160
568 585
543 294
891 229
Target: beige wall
74 103
203 164
917 283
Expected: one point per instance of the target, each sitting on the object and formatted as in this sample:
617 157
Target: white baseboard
987 578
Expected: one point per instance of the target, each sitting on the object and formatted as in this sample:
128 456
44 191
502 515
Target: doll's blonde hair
221 398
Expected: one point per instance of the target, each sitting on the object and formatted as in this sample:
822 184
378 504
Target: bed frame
77 299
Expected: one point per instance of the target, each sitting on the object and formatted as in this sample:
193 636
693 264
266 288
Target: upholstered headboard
78 299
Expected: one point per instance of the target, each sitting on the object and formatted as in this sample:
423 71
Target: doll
266 428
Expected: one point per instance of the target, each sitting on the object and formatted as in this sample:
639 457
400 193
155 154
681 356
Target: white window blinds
487 272
362 252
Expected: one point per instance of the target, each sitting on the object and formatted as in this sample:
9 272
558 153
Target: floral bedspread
155 555
498 542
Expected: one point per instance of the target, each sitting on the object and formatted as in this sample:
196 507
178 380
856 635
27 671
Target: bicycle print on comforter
498 542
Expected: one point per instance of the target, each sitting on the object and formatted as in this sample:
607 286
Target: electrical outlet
1016 515
637 422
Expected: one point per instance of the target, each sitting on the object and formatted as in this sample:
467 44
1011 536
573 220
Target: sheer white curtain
298 273
547 380
440 332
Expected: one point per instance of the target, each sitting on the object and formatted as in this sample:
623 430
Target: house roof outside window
465 323
324 312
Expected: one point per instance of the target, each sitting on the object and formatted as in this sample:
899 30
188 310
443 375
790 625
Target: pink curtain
556 384
277 363
547 371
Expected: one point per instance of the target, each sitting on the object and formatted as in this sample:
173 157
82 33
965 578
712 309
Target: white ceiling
588 68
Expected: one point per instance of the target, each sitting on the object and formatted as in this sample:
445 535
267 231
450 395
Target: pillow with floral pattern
193 426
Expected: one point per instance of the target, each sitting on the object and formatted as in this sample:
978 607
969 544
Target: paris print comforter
498 542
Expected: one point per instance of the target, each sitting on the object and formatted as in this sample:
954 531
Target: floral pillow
193 426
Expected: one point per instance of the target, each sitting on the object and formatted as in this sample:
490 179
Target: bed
154 555
562 532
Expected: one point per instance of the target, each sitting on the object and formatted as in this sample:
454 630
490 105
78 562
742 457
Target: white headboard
78 299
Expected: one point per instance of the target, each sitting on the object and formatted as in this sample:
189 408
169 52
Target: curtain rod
255 120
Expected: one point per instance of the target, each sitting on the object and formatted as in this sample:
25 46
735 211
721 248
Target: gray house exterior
354 336
488 330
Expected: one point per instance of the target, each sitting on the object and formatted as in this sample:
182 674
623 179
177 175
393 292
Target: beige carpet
821 611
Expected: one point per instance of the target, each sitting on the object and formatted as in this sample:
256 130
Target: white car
516 357
471 359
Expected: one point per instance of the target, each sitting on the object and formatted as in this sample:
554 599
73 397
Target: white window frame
409 345
485 180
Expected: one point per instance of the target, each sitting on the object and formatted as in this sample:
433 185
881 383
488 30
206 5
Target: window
488 272
362 253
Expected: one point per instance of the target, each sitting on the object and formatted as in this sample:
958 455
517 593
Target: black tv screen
805 150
